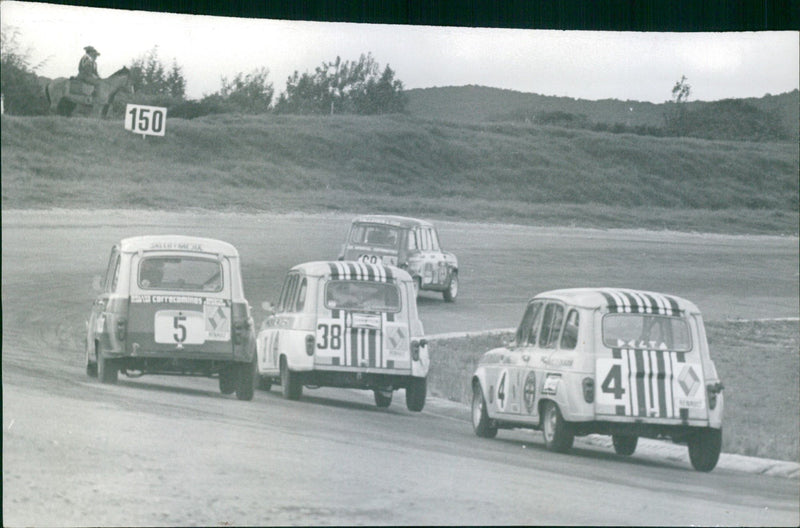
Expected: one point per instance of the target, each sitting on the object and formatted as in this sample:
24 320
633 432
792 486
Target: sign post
146 120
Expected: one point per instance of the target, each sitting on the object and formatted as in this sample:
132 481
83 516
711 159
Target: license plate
180 327
366 321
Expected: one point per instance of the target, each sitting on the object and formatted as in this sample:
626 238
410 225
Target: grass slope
757 362
400 164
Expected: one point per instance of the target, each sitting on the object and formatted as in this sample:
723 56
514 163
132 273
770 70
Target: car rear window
180 273
362 295
645 331
375 235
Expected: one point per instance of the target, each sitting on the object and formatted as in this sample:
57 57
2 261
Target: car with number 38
620 362
407 243
173 305
345 324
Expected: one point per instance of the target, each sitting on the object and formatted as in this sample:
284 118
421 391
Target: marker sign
146 120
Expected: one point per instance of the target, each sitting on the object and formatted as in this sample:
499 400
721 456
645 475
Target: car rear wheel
264 383
227 379
107 369
416 391
383 399
246 380
290 384
704 449
481 423
557 435
91 366
624 445
451 292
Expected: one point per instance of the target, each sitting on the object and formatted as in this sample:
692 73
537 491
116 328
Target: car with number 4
345 324
173 305
407 243
620 362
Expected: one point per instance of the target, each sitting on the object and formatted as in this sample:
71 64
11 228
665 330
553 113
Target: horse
96 105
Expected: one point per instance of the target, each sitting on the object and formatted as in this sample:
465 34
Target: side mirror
97 284
268 307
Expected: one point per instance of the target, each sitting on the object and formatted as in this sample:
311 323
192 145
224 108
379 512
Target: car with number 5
620 362
407 243
173 305
345 324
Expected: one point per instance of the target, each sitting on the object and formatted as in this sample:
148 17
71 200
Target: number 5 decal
180 335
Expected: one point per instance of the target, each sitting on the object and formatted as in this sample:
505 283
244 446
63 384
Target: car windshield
650 332
362 295
180 273
375 235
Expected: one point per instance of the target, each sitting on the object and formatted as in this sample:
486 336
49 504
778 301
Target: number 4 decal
613 382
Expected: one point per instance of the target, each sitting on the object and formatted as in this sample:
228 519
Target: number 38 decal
329 336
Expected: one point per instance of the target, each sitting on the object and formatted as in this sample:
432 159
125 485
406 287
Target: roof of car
622 300
352 270
393 220
177 243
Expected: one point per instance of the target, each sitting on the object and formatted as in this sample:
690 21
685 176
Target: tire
107 369
264 384
416 391
290 384
91 367
383 399
624 445
481 423
704 449
451 292
557 435
227 379
246 380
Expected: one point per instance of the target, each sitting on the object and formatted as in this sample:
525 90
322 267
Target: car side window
569 337
434 239
426 239
288 285
115 275
109 281
551 325
527 327
300 300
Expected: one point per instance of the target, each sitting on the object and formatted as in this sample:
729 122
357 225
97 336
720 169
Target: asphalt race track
173 451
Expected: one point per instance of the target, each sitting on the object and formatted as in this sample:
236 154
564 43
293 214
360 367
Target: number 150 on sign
148 120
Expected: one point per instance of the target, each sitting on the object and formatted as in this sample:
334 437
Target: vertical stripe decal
640 394
612 304
662 393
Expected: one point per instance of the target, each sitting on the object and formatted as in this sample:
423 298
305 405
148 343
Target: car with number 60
408 243
345 324
173 305
620 362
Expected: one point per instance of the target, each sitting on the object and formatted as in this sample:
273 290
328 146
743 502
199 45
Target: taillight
588 390
122 329
415 346
713 389
310 344
241 323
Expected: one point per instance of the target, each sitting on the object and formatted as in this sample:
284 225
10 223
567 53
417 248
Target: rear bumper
676 431
373 380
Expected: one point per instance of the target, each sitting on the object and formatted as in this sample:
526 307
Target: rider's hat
90 49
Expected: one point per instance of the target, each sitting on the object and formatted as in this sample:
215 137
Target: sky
592 65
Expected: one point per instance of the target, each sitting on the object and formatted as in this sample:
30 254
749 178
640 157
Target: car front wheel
481 423
91 366
246 380
704 449
624 445
383 399
451 292
557 435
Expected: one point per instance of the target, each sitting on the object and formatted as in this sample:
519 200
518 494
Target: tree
150 76
675 118
353 87
22 89
251 93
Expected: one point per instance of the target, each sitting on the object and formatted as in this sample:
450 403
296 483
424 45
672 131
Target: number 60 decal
148 120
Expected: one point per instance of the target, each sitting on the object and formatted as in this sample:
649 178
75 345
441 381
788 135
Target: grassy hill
483 104
510 172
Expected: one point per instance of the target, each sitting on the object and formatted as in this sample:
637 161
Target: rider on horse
87 68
